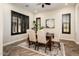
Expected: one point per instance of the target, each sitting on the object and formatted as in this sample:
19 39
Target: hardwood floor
19 51
71 49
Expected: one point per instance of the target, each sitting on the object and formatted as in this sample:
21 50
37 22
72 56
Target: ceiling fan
43 4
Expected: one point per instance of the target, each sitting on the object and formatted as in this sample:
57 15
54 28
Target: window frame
69 32
24 22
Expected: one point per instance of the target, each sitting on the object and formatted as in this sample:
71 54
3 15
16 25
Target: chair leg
59 46
38 47
29 44
45 48
35 46
53 43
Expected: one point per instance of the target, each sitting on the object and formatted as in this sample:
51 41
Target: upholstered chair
41 38
31 37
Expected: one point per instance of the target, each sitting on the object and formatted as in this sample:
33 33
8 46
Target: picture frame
50 23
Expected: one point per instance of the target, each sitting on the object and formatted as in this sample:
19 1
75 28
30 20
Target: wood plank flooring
71 49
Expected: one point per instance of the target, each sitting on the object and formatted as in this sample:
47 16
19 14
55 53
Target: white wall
1 29
77 23
57 15
7 38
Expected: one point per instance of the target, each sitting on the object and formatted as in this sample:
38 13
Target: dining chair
31 37
41 38
56 40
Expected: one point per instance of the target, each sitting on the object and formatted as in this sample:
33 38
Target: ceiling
36 8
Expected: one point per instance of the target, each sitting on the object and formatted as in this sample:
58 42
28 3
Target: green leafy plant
35 25
41 27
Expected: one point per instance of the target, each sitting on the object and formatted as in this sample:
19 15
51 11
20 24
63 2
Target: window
66 20
19 23
38 23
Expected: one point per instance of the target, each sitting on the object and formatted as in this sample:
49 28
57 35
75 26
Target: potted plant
34 24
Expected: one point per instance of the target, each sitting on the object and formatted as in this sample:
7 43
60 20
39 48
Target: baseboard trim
69 39
77 42
13 41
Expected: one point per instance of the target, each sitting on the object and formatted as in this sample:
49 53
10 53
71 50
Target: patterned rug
55 50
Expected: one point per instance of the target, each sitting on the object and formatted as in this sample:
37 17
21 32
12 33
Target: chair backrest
41 36
32 35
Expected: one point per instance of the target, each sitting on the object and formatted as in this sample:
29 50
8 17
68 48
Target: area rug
55 50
